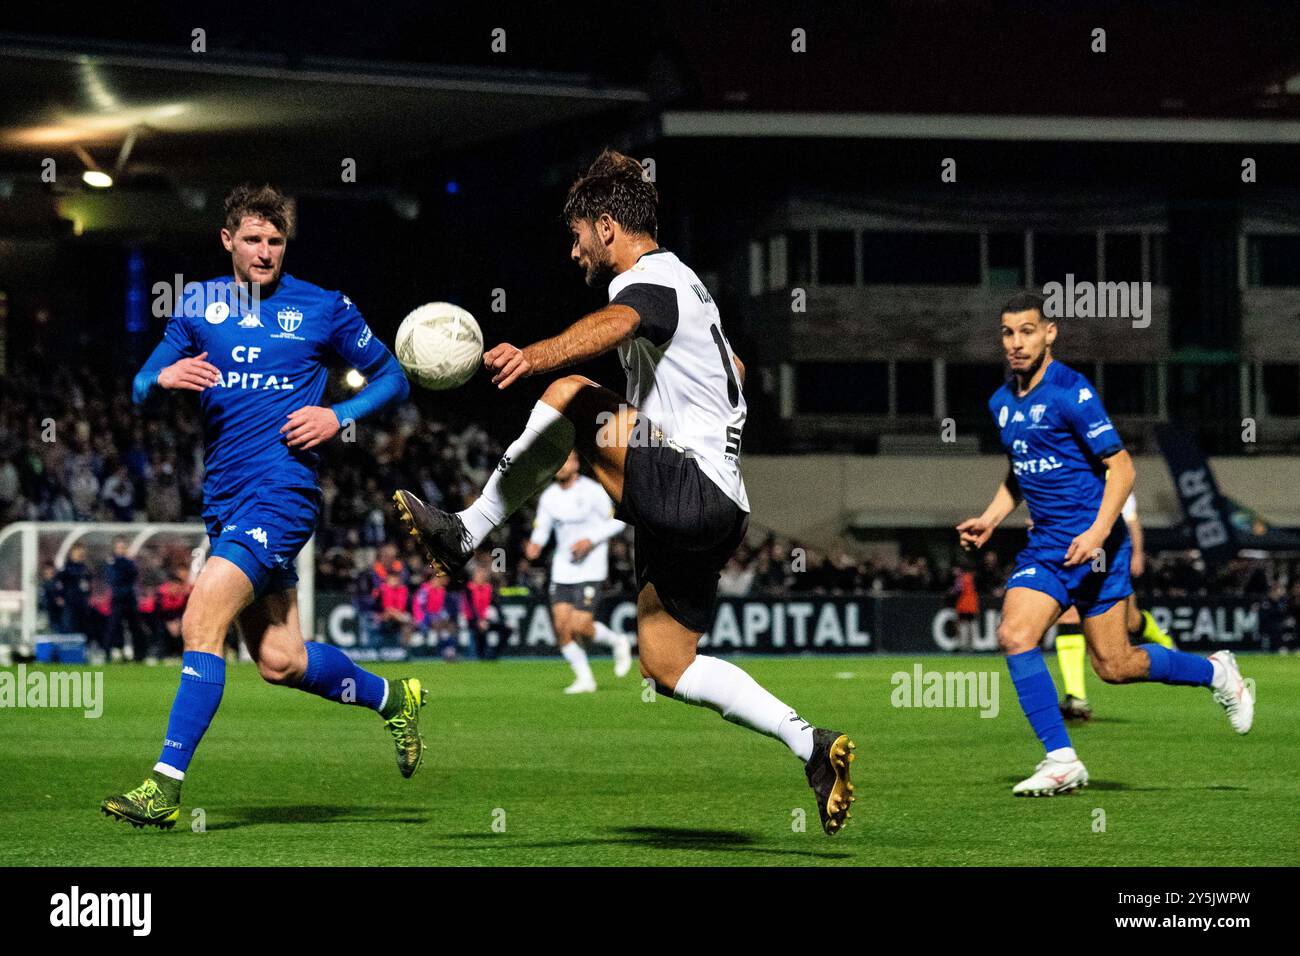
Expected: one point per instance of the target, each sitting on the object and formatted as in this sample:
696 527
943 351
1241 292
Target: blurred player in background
1070 467
668 455
1071 648
581 515
268 335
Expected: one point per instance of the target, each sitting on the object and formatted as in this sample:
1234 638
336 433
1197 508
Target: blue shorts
1041 567
262 532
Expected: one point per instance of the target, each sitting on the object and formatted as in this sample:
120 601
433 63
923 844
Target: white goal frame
26 536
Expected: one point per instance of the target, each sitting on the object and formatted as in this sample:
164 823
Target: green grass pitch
610 779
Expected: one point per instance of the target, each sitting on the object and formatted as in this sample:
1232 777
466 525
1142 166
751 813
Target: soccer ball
439 345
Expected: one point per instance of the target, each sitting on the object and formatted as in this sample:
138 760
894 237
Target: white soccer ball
439 345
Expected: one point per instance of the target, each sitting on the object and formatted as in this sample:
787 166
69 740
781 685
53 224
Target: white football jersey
680 368
582 510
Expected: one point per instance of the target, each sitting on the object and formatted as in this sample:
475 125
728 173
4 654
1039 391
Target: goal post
158 548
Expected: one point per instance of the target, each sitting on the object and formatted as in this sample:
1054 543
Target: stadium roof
227 116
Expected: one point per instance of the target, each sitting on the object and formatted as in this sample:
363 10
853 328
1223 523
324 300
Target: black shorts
583 596
685 529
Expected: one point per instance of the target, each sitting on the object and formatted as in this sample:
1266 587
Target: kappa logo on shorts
229 527
258 535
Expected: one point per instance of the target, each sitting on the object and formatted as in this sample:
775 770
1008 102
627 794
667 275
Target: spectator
122 577
483 616
392 602
119 494
74 589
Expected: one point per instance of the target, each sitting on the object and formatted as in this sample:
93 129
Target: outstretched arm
590 336
975 532
386 383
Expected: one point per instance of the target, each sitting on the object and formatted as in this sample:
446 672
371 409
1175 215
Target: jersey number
733 389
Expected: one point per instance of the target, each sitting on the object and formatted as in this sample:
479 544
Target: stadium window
1159 258
1058 254
1273 261
921 258
757 268
854 388
914 388
1007 260
835 257
969 386
1281 385
776 262
1131 388
1123 252
798 251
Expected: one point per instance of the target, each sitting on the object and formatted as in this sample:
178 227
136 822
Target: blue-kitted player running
255 346
1071 469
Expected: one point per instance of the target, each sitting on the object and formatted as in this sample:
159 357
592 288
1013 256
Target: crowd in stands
73 447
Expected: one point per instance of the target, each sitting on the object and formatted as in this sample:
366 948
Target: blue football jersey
1055 437
272 356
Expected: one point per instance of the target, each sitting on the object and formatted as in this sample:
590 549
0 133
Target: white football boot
1052 777
622 656
1231 690
581 686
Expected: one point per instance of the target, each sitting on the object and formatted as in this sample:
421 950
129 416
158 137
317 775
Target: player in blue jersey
1070 467
254 346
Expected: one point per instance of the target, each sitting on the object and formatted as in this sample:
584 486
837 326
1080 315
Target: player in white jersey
580 514
1071 649
667 454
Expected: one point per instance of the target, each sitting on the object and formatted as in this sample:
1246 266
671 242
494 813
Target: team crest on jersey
1037 413
216 312
289 319
1002 417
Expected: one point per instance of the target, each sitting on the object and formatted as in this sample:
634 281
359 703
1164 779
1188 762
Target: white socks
604 635
1063 754
577 658
528 464
724 687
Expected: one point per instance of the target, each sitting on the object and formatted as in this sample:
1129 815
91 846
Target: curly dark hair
615 185
264 202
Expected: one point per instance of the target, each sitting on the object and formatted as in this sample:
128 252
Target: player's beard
1031 369
600 267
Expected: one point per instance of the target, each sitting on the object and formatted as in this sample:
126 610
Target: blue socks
1037 695
332 675
1178 667
203 678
